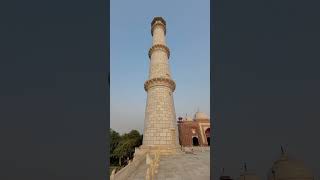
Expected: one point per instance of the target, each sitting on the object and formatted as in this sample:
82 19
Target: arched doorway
207 132
195 141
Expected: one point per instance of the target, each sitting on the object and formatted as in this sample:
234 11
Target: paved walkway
185 167
179 167
140 173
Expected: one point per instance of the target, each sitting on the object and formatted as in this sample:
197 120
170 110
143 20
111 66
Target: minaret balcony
160 81
159 47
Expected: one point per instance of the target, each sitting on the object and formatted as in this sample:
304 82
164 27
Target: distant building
194 132
248 175
287 168
223 176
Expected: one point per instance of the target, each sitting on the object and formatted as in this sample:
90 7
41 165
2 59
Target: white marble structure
160 127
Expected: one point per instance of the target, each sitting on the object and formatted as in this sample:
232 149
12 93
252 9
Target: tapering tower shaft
160 129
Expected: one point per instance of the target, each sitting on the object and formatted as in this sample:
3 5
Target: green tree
114 140
125 148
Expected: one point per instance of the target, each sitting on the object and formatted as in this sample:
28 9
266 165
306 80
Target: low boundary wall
124 173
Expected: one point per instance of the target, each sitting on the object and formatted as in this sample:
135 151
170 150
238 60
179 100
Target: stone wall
128 170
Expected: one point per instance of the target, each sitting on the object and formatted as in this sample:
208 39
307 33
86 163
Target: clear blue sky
188 37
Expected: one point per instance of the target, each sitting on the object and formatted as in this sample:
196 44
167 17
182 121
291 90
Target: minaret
160 127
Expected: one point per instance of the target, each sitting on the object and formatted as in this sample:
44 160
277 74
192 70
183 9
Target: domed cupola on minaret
248 175
287 168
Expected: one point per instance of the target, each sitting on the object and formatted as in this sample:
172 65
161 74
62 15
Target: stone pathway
179 167
185 167
140 173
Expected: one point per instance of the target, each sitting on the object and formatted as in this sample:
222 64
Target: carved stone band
160 82
159 47
159 24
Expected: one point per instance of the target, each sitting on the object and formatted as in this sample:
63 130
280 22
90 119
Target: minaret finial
282 150
245 167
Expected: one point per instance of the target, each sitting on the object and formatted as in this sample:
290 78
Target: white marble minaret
160 127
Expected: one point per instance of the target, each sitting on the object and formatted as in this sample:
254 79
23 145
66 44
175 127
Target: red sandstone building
194 132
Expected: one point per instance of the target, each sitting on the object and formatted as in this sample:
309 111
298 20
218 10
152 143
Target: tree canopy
122 146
